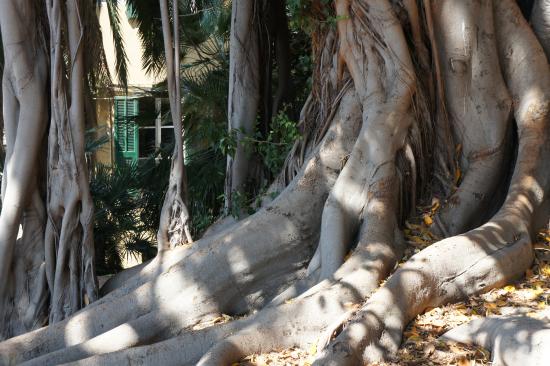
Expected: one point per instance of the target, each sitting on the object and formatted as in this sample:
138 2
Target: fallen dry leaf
428 220
421 346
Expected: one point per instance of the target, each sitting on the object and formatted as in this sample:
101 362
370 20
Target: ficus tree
23 82
52 64
409 98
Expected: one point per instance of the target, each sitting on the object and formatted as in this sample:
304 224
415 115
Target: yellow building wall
138 79
136 75
104 114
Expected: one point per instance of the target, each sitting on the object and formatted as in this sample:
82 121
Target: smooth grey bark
22 285
244 93
231 272
518 340
489 256
118 280
242 267
174 217
479 110
367 187
69 247
56 245
184 349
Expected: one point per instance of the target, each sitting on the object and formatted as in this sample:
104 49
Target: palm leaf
121 59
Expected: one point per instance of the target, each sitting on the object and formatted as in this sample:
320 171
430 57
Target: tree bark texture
406 96
244 93
46 258
174 217
22 271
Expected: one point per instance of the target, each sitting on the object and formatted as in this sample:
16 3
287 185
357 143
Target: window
142 126
126 129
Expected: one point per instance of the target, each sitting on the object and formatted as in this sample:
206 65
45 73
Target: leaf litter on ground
420 346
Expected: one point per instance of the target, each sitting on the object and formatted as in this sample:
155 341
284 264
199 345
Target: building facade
135 122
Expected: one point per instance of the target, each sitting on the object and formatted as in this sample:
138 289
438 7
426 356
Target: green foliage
147 17
301 71
200 20
241 203
205 76
272 149
228 142
121 59
309 14
280 138
127 200
205 179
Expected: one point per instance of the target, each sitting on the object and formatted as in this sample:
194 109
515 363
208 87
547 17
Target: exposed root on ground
422 344
349 190
231 272
489 256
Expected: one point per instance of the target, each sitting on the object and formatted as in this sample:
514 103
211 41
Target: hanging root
28 299
352 178
174 217
481 259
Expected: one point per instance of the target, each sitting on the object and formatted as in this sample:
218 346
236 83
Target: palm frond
97 71
147 17
206 83
95 139
121 59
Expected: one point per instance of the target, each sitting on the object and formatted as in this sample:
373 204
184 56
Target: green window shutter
126 129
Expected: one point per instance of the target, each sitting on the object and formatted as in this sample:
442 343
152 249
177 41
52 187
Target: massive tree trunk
409 99
22 272
69 253
46 258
